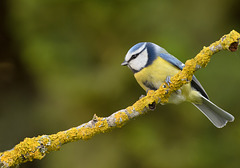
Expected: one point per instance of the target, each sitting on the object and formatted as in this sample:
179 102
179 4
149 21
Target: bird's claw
142 96
167 80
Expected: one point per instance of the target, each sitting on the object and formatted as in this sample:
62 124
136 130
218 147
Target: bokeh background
60 65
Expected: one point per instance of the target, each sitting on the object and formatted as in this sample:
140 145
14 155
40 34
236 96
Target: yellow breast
155 74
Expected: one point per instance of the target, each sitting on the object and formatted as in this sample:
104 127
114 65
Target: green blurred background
60 64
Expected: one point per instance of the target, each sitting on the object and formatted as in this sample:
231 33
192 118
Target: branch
37 147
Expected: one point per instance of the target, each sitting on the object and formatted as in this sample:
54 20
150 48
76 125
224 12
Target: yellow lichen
141 104
85 133
130 109
232 37
121 118
26 150
101 126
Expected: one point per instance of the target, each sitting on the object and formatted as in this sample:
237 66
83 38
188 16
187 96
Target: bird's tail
215 114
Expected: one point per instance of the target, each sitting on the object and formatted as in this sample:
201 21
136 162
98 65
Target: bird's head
141 55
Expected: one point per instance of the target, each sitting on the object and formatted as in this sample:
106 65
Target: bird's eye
134 56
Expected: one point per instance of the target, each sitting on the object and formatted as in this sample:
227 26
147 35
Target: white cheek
140 62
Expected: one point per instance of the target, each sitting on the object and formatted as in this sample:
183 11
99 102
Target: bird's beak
124 63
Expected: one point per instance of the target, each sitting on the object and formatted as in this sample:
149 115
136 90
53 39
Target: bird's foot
142 96
167 80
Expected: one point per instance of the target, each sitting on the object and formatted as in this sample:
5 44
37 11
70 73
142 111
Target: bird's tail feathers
215 114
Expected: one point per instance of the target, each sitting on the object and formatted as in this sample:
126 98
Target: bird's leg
142 96
167 80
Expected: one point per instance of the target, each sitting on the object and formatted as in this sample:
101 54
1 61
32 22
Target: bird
152 65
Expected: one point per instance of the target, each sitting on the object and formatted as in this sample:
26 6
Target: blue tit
152 65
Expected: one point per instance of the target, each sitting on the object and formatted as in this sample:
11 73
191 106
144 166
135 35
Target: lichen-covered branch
37 147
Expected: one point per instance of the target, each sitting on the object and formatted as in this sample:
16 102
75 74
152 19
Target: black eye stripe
136 55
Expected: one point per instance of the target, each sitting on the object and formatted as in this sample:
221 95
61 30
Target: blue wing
194 83
173 60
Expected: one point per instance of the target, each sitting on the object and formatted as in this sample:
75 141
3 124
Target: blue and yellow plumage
153 65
